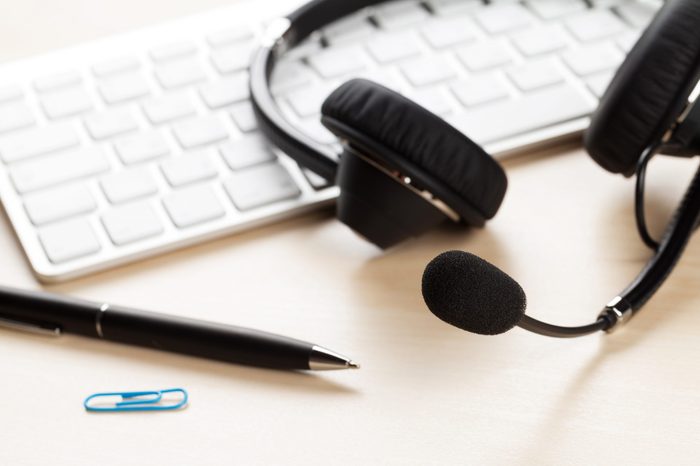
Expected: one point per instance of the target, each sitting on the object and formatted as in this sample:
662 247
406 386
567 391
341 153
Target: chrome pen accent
323 359
98 319
51 330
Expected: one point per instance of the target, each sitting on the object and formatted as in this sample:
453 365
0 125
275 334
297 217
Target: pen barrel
70 315
204 339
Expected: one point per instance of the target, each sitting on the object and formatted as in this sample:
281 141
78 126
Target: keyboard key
313 128
289 75
390 47
68 240
349 29
110 123
480 89
335 62
179 73
171 51
426 71
131 222
306 48
502 18
51 170
8 93
123 87
598 83
607 3
636 14
226 91
232 58
433 99
169 107
244 117
627 40
69 102
307 102
594 25
57 81
446 32
141 147
199 131
540 40
261 185
593 59
128 185
387 77
243 153
15 115
192 206
551 9
316 181
400 14
229 36
30 143
59 203
536 74
115 66
484 55
449 8
506 118
188 168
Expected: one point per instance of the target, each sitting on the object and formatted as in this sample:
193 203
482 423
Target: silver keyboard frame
80 57
132 43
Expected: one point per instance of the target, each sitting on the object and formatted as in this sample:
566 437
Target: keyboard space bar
506 118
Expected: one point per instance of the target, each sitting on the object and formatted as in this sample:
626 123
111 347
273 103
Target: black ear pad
649 90
420 144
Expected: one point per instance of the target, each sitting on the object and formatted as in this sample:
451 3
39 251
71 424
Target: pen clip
151 400
47 329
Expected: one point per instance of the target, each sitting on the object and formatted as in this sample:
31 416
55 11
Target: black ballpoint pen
55 314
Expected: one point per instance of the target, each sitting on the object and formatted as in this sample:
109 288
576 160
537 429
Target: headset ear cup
379 207
390 131
649 90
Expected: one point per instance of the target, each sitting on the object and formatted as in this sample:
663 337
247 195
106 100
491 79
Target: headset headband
281 35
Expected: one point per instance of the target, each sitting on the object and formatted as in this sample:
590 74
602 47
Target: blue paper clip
134 401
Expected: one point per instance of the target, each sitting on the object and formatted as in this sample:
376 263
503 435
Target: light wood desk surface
427 393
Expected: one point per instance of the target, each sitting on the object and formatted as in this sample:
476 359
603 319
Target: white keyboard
145 142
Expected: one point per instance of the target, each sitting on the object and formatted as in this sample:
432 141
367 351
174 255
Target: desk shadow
563 408
556 149
401 268
388 286
636 332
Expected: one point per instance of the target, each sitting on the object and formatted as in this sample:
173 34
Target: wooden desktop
427 393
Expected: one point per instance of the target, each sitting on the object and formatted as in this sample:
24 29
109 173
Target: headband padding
649 90
424 139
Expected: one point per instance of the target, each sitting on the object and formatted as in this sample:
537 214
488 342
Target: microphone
474 295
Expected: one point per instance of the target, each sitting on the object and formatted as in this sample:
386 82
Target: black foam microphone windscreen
472 294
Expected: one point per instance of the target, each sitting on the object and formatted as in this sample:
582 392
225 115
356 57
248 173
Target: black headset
403 170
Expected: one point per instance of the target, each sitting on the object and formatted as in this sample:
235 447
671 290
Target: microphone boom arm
549 330
628 302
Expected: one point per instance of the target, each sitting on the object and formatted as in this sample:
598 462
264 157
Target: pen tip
353 365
